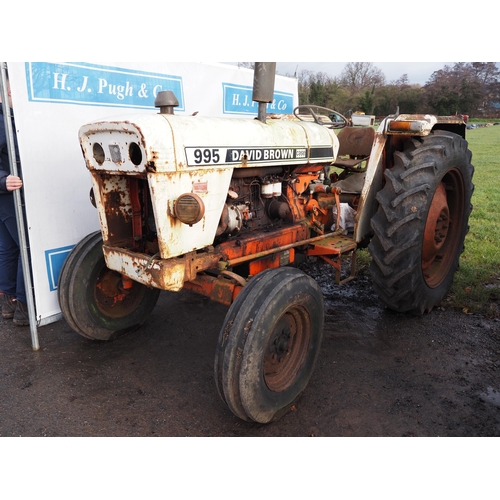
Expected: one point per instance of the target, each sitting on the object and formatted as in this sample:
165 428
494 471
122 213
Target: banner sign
54 259
238 99
90 84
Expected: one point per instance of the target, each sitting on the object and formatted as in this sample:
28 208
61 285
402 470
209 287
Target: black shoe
8 307
21 314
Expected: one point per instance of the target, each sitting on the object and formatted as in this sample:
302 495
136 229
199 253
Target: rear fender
373 183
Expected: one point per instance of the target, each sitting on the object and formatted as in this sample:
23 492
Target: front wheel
269 344
95 301
421 223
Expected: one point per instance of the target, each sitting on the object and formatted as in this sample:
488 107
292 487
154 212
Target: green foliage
321 90
366 102
465 88
410 99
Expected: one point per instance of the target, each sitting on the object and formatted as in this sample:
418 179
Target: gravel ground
379 374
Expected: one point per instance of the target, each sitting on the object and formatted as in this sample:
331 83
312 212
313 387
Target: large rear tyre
421 223
269 343
93 299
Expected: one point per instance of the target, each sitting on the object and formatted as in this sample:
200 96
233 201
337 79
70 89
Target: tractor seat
352 184
355 145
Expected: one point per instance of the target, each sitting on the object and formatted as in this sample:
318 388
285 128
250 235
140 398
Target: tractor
229 208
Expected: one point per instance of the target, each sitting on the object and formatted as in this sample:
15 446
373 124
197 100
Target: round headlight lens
189 208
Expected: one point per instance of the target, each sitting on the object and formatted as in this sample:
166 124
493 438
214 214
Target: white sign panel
52 100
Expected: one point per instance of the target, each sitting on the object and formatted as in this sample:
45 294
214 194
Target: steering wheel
313 110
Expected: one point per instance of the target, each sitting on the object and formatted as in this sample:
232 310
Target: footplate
331 250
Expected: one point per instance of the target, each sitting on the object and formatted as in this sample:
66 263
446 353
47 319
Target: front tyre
95 300
269 343
421 223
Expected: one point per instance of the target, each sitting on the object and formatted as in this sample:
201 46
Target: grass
476 285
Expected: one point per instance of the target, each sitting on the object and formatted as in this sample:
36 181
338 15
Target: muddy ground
379 374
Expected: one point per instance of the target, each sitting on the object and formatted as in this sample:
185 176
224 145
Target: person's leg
9 255
21 317
10 235
11 269
9 258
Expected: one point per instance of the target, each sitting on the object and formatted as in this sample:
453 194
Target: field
476 288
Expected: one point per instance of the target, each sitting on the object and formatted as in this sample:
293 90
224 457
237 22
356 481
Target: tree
402 81
321 90
488 76
486 73
387 101
249 65
463 88
358 76
366 102
410 99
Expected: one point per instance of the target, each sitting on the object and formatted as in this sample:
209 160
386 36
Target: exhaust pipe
263 86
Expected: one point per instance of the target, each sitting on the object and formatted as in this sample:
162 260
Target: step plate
335 245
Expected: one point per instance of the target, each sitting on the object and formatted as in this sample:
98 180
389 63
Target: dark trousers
11 270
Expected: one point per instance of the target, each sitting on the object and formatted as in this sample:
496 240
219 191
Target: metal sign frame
23 246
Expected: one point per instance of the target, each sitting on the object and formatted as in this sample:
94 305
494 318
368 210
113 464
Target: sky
263 31
223 30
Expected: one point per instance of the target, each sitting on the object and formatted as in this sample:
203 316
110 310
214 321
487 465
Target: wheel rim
286 349
443 228
114 296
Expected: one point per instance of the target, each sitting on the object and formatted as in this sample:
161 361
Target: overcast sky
418 72
268 31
